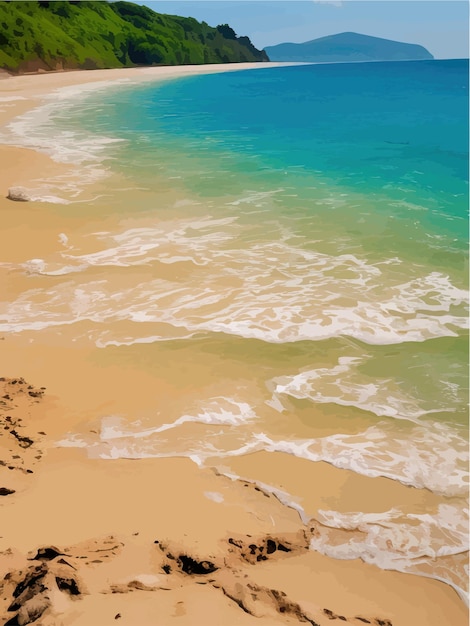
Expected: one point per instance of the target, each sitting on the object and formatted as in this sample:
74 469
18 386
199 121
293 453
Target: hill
91 34
347 47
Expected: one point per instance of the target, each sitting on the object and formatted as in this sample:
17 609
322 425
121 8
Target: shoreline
23 94
36 84
86 509
113 537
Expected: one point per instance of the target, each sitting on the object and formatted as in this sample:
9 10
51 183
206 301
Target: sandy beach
94 541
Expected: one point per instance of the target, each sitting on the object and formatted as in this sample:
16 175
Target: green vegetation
93 34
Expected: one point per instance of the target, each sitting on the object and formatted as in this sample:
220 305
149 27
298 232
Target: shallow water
283 253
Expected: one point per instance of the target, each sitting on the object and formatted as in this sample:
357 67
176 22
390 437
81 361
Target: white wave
41 267
50 199
391 540
343 385
174 241
198 454
446 533
220 410
426 544
37 129
411 459
170 243
118 439
412 543
271 292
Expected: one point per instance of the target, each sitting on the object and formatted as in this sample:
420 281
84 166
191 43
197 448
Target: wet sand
95 542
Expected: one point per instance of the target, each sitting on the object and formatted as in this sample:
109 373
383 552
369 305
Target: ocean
284 253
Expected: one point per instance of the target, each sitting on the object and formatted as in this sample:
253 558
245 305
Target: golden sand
159 540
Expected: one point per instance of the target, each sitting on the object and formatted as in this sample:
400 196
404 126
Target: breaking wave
273 292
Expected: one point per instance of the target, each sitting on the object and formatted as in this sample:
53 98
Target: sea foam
410 457
432 545
38 129
216 411
345 385
273 292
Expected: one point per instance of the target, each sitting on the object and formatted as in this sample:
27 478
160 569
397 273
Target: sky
441 26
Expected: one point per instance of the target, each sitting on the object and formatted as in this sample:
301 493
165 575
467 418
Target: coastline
23 93
85 508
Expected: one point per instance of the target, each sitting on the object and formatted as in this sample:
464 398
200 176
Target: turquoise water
396 132
349 180
310 266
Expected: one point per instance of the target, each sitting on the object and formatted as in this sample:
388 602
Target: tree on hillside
226 31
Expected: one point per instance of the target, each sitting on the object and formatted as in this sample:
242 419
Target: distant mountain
347 47
89 34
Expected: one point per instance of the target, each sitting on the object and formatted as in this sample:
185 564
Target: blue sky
441 26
